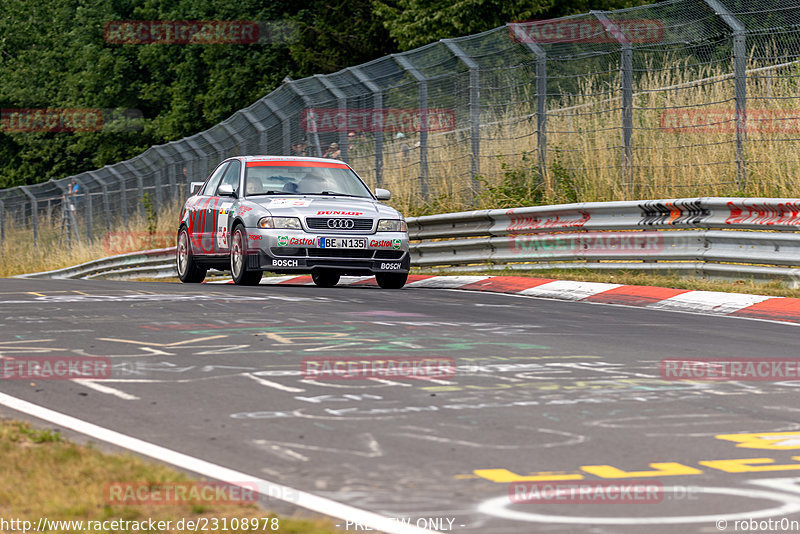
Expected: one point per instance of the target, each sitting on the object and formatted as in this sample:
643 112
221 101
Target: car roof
288 158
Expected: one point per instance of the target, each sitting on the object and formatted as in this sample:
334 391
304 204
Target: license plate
342 242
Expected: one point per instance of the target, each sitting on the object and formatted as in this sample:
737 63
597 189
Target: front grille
341 224
389 254
339 253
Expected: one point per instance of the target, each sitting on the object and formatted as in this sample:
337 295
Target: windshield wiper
282 193
334 193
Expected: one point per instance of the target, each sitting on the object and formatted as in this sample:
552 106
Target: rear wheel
188 270
391 280
241 276
325 278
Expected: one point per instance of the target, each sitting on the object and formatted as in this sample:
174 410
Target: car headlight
287 223
392 225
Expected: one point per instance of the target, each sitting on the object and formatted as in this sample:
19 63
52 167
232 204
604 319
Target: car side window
213 182
231 176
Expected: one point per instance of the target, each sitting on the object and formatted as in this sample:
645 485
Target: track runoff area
426 409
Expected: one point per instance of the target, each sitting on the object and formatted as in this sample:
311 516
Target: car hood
319 206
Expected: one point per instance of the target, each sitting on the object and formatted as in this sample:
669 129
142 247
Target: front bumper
291 251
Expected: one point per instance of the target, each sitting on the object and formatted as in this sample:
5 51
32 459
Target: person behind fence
73 194
333 151
300 148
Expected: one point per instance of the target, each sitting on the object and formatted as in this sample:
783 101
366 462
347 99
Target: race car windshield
272 179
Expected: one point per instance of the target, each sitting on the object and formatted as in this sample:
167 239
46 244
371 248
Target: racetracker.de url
200 524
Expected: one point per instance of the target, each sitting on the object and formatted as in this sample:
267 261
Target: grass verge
46 476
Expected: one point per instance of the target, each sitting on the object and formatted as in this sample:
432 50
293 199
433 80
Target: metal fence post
341 103
2 223
309 105
422 84
156 183
87 208
626 71
106 205
377 102
262 130
541 98
286 127
220 152
123 197
474 109
34 213
740 85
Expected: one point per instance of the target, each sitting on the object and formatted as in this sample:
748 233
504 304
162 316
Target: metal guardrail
728 238
157 263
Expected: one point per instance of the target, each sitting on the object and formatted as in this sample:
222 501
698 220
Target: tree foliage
54 55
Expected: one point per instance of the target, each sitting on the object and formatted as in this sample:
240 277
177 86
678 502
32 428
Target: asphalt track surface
543 388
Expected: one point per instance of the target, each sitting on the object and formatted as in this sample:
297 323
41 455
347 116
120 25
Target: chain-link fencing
676 98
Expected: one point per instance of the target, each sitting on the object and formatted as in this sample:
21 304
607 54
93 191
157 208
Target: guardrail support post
377 103
626 71
34 213
422 84
474 109
740 84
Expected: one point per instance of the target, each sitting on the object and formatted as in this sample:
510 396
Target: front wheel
391 280
241 276
188 270
325 278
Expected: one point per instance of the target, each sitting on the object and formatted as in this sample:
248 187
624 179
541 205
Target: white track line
270 489
91 384
271 384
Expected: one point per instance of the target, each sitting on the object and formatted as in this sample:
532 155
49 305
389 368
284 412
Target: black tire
391 280
325 278
188 270
241 276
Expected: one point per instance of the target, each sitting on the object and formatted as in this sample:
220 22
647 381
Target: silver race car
291 215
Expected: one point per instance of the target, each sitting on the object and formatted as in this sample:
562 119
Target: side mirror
195 187
226 190
382 194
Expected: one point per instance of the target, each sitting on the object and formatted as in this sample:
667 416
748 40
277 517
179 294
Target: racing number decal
222 226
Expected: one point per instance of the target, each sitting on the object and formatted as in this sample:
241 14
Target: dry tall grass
585 145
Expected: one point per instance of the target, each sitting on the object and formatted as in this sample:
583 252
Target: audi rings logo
341 224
